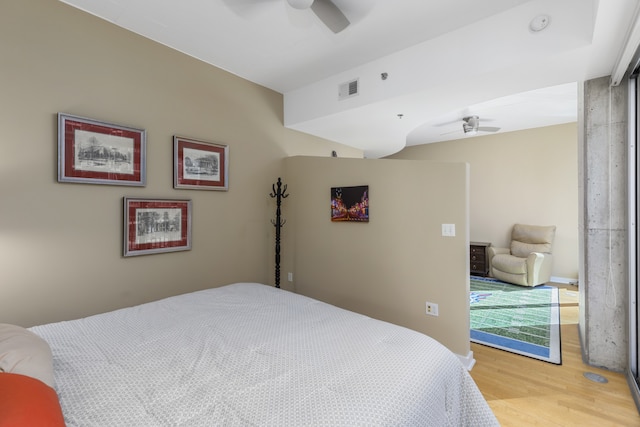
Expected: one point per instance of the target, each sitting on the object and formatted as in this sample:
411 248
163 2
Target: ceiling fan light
300 4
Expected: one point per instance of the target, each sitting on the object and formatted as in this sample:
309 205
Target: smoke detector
539 23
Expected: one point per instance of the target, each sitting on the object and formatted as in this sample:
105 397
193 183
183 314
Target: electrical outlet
290 277
432 308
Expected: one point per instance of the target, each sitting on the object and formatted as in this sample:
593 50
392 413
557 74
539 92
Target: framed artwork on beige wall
200 165
156 225
96 152
350 204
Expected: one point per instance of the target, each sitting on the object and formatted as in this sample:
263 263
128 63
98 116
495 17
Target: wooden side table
478 259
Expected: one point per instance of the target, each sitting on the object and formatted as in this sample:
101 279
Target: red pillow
26 401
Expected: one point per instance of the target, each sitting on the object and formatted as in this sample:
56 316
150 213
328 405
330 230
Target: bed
248 354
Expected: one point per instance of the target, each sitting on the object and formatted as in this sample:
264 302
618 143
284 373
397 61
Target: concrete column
603 283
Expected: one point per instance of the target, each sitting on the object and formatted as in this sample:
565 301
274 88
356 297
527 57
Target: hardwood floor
528 392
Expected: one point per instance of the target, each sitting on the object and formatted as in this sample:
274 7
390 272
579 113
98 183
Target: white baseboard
564 280
468 361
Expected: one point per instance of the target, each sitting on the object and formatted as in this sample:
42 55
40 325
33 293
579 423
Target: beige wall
528 177
389 267
62 243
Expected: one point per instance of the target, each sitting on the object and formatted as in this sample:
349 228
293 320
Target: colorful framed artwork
200 165
95 152
350 204
156 225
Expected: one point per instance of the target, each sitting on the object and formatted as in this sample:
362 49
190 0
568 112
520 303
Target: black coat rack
279 194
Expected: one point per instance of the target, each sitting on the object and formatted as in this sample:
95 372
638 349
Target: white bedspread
249 354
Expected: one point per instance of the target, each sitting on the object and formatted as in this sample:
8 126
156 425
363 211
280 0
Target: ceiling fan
326 10
470 126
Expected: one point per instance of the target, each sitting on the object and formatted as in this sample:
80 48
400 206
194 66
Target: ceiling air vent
348 89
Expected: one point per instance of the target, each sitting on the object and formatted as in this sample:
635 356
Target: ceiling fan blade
246 8
330 15
448 123
488 129
453 131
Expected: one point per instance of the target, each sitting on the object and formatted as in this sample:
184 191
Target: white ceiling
444 59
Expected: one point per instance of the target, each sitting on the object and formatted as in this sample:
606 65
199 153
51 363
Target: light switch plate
449 230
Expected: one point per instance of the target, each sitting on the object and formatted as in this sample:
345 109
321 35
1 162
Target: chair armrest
539 268
491 252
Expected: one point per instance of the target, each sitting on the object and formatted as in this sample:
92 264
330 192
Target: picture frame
200 165
350 204
95 152
154 226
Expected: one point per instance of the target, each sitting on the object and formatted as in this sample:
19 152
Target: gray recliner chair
528 260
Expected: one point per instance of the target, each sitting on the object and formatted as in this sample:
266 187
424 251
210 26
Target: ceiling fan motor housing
470 124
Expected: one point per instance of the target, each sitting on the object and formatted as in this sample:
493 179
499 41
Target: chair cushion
509 264
531 238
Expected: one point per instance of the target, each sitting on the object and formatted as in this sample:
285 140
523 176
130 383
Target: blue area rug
517 319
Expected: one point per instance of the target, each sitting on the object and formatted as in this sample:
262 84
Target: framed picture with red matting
200 165
95 152
156 225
